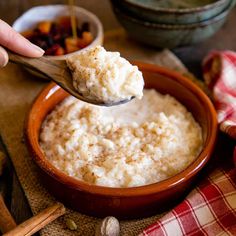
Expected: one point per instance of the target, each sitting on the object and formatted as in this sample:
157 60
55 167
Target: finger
3 57
12 40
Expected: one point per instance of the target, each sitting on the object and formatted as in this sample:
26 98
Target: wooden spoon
58 71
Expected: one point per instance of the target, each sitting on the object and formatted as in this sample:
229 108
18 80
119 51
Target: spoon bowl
58 71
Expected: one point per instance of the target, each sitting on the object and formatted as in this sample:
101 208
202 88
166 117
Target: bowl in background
168 35
159 12
134 201
33 16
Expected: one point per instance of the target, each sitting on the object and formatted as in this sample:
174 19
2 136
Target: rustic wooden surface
191 56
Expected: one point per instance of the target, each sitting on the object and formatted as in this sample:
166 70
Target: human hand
15 42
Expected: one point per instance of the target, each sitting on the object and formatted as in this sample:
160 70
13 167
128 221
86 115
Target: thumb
3 57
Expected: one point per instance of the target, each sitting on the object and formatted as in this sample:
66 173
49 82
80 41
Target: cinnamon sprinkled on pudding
137 143
105 76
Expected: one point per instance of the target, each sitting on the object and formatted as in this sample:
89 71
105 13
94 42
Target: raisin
85 27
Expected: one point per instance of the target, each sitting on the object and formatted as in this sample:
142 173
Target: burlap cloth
18 89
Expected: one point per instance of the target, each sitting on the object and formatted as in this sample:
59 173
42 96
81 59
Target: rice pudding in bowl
124 202
138 143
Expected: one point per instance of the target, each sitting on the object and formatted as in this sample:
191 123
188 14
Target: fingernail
37 48
3 59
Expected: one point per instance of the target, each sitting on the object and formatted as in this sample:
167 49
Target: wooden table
191 56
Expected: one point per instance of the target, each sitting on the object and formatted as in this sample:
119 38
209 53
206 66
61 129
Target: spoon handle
45 66
26 62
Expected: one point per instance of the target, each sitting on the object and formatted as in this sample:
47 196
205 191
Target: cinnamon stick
6 221
38 221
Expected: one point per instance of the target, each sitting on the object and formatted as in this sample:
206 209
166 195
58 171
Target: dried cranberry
51 51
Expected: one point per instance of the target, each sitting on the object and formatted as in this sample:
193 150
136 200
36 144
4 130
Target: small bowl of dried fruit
61 30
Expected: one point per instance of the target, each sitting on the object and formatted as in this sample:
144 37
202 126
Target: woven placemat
18 90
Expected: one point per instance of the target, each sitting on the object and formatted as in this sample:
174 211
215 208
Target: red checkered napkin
210 209
219 70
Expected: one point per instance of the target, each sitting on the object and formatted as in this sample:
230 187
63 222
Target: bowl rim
176 10
97 40
71 182
154 25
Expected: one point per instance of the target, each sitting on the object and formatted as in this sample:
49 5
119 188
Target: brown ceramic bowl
125 202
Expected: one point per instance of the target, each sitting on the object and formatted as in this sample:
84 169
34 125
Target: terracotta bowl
125 202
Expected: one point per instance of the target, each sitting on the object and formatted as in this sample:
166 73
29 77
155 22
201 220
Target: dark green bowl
167 35
153 11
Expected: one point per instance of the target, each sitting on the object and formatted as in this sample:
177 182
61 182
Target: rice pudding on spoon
105 76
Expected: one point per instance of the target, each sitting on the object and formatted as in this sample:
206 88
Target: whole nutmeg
109 226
